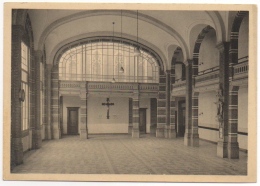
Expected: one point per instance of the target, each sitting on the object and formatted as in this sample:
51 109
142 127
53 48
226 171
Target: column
36 129
188 120
222 100
172 128
135 129
48 132
233 147
169 129
195 113
16 128
55 102
130 124
161 106
83 111
153 116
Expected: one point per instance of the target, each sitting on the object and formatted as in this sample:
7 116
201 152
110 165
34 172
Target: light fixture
121 70
137 50
113 80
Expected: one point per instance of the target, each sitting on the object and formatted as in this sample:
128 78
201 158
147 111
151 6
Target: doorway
72 123
142 120
181 118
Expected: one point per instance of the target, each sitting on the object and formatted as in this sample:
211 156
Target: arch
234 34
127 13
126 37
149 58
196 49
218 25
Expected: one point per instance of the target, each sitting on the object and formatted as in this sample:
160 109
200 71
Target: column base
153 129
172 133
159 132
166 129
48 132
233 150
16 152
56 134
187 139
135 133
222 150
83 134
36 138
130 128
195 140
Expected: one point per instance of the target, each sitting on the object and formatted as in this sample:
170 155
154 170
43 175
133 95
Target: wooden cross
108 104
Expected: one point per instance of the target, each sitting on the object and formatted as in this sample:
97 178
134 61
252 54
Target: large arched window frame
94 61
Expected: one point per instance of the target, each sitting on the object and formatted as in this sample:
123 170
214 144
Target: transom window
105 60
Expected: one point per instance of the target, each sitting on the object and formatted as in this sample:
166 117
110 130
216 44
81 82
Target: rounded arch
234 35
128 38
82 51
126 13
218 25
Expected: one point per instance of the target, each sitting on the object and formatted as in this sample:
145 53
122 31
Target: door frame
68 115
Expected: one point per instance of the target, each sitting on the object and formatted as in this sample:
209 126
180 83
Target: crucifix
108 104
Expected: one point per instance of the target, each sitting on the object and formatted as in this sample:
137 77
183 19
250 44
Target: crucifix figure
108 104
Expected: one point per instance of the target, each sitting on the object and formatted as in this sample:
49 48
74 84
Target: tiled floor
120 154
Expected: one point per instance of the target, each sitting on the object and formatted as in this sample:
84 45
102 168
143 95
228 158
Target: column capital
222 45
38 53
167 72
188 62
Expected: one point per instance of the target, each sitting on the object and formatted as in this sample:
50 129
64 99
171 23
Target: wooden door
142 120
73 120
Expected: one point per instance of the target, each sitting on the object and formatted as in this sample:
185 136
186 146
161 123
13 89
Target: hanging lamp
137 50
121 70
113 80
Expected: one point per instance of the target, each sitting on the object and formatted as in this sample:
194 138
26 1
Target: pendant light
121 70
137 50
113 80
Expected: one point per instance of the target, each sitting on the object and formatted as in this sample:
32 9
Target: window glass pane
103 61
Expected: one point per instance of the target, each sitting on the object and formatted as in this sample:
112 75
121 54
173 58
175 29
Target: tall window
25 53
94 61
41 93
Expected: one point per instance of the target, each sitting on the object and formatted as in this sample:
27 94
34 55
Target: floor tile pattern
121 154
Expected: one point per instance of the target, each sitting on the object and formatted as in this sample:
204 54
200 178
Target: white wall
69 101
208 118
97 115
242 116
208 54
243 38
178 71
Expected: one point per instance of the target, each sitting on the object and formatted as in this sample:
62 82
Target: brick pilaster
130 123
135 129
36 130
83 111
16 128
223 94
55 102
48 132
233 147
188 121
161 106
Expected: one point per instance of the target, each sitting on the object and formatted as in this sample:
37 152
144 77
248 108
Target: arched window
25 65
105 60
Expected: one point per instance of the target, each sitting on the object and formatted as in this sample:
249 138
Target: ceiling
161 30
